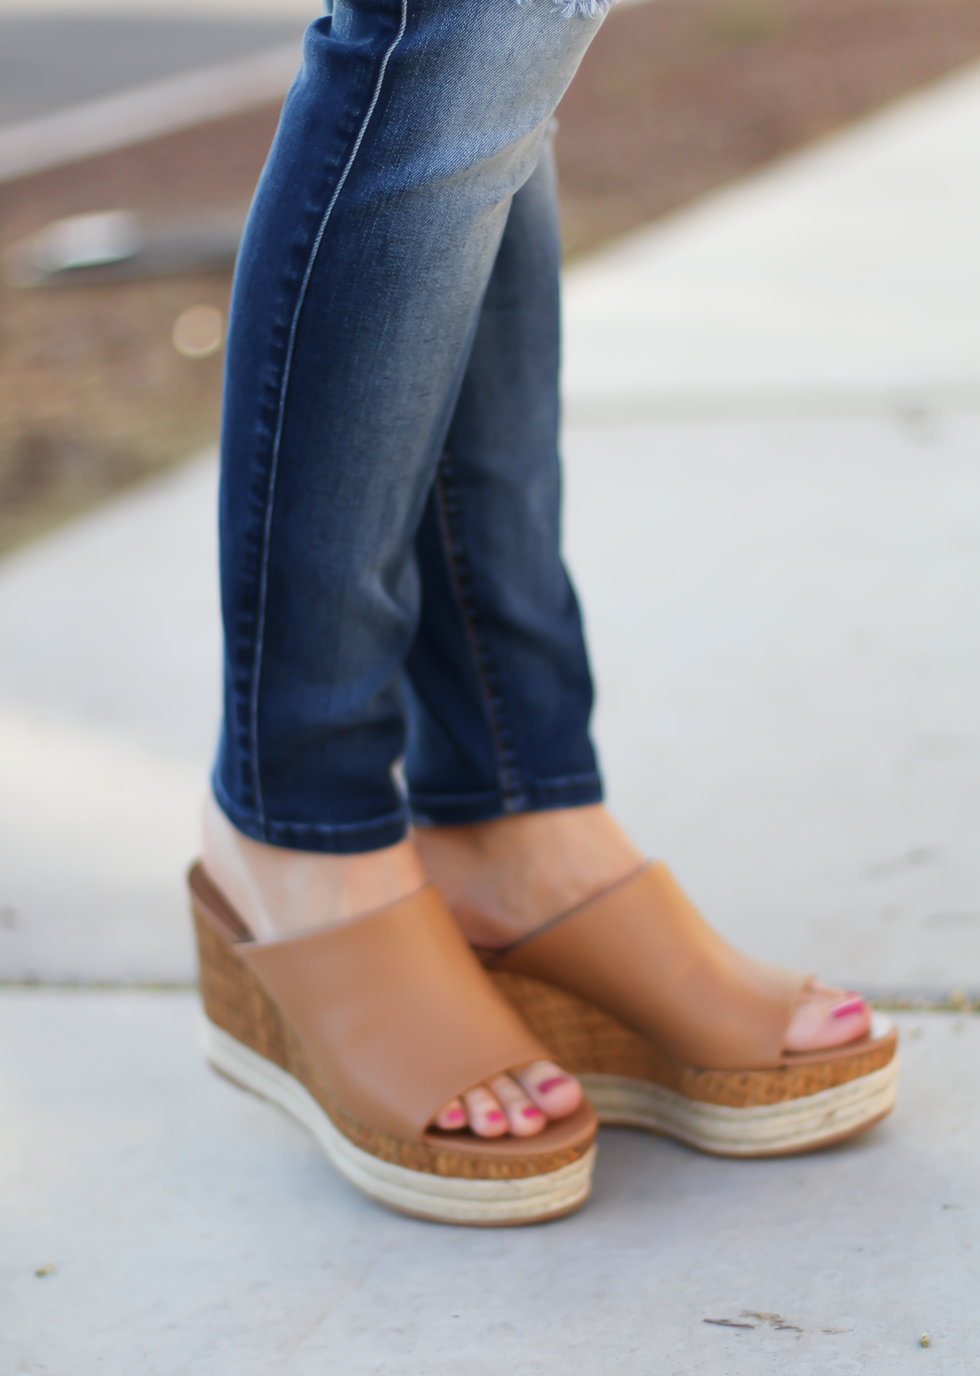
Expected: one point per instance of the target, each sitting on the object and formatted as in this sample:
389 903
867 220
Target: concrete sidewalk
842 282
773 459
196 1231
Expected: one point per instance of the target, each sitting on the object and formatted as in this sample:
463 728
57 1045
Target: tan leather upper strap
643 953
394 1011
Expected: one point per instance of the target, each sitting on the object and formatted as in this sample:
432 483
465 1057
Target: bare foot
281 892
502 879
826 1017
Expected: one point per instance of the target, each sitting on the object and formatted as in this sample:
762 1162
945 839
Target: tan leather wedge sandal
668 1028
363 1032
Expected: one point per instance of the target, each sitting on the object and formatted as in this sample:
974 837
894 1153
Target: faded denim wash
392 583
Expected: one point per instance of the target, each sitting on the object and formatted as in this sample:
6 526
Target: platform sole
438 1198
815 1120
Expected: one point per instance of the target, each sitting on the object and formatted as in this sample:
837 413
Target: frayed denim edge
582 9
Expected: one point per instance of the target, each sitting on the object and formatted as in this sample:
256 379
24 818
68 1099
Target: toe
486 1117
452 1117
546 1084
825 1018
523 1117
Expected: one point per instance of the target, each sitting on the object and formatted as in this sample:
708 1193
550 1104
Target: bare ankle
505 877
278 892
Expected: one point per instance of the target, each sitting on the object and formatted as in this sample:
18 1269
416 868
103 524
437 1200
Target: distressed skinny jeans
392 582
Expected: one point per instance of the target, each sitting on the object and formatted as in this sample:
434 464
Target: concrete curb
146 112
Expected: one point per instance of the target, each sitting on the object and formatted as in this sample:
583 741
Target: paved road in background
50 63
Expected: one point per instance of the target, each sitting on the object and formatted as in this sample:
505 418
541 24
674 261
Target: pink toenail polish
494 1116
531 1112
546 1086
456 1116
845 1010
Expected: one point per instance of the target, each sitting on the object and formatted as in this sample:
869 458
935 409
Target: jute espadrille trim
235 1002
587 1041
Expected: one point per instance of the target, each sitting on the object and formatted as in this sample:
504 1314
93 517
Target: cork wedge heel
358 1031
669 1029
804 1103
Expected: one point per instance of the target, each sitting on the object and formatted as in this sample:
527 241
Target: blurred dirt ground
675 98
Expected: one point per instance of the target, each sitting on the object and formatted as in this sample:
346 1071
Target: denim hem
544 795
344 838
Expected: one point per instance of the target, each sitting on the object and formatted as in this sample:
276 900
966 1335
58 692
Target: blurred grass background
674 99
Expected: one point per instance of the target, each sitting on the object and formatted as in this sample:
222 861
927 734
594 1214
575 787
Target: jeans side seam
280 420
508 772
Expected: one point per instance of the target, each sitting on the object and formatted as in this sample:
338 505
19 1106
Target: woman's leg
373 236
411 128
500 688
502 776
